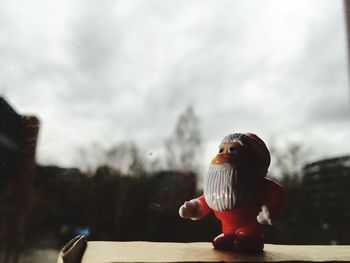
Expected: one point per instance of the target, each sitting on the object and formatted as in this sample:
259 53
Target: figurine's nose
227 154
222 159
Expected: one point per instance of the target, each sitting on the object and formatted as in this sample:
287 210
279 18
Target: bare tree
90 157
123 157
136 164
287 164
183 148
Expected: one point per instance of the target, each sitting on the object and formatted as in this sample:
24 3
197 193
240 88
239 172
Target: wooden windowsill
102 252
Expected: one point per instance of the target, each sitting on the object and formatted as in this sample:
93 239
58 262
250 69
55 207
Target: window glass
111 112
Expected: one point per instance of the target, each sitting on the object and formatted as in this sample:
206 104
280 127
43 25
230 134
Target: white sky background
113 71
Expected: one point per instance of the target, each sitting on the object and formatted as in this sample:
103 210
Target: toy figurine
236 189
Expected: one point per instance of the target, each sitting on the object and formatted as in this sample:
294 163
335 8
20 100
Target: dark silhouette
113 206
317 211
18 136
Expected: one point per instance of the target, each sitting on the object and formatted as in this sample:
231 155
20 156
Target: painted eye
221 150
232 149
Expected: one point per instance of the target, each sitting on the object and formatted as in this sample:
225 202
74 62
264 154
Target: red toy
236 190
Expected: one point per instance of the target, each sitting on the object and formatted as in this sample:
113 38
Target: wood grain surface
99 251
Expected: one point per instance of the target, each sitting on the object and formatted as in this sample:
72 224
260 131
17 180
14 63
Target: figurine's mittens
264 216
190 209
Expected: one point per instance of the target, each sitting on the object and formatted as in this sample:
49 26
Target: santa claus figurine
237 191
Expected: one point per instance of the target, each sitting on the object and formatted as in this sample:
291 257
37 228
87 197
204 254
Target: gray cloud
111 71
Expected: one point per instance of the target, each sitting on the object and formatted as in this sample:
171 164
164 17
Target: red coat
269 193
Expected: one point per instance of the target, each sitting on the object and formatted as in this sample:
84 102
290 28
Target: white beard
220 187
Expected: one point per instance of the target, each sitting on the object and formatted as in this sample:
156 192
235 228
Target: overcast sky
113 71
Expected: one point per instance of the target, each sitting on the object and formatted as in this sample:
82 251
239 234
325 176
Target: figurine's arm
195 209
274 199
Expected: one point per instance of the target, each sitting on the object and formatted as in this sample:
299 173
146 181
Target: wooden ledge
102 252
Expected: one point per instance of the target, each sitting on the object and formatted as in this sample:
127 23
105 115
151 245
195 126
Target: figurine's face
228 153
226 185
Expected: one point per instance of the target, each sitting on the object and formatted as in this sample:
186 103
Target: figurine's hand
190 209
264 216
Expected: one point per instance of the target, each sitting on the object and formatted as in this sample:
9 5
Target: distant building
327 196
18 137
